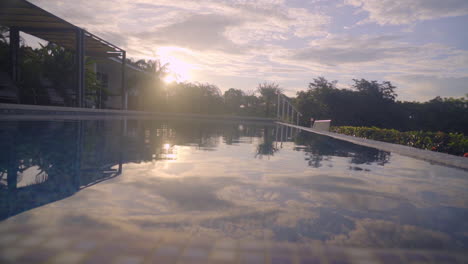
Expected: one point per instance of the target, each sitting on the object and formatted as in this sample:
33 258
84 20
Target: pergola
20 15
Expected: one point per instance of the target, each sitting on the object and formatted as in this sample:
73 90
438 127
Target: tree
321 83
152 66
52 67
315 101
384 90
370 103
268 93
233 100
4 49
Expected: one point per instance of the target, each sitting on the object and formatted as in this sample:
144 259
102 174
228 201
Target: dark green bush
452 143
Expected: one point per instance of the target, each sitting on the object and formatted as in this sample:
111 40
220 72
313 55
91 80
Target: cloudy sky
419 45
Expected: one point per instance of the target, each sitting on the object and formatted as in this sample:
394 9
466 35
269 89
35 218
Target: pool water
176 191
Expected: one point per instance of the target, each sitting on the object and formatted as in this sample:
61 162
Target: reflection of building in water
147 141
167 152
42 162
48 161
162 143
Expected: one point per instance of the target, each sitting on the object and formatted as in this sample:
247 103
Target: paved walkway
430 156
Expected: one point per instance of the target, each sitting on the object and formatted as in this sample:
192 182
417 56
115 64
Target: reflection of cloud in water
188 193
325 226
85 220
306 207
385 234
331 188
227 193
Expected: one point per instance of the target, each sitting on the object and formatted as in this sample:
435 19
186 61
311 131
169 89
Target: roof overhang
35 21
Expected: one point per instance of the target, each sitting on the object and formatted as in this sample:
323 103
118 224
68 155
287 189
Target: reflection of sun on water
179 70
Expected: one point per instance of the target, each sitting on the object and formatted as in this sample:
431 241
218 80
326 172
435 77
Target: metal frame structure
286 110
22 16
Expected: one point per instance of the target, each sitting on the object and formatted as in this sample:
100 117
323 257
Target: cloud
398 12
347 49
197 32
427 87
238 43
227 38
385 55
239 21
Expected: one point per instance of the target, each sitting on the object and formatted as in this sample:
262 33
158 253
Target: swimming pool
176 191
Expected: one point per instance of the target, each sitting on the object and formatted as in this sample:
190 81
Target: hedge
452 143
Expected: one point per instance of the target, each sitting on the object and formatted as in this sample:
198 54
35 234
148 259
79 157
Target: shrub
452 143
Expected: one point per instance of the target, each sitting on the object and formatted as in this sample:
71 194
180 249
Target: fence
286 112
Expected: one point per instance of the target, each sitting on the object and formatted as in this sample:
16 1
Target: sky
421 46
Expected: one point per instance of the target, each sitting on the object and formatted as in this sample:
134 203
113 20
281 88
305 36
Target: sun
170 78
178 69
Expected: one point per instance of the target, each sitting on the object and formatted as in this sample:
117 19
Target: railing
286 112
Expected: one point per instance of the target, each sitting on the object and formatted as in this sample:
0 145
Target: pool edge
422 154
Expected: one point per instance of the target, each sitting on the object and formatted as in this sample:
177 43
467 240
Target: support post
122 133
282 128
124 89
297 121
80 67
278 106
287 112
292 114
14 53
284 108
276 135
79 149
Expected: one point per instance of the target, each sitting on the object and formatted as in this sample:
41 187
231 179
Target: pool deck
430 156
19 111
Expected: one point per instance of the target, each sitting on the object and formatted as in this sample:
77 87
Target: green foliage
94 88
48 67
268 93
452 143
194 98
234 100
4 49
370 103
438 114
381 91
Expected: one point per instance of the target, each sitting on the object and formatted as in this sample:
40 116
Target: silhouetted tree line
201 98
370 103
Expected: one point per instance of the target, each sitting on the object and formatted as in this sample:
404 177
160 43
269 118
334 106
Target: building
111 66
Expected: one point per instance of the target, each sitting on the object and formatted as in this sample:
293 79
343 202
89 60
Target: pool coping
422 154
12 111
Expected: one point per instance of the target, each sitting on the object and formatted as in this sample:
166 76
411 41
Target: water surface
212 180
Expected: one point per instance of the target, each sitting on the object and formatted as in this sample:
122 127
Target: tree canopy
370 103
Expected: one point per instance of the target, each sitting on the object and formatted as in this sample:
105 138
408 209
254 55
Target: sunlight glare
179 70
170 78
